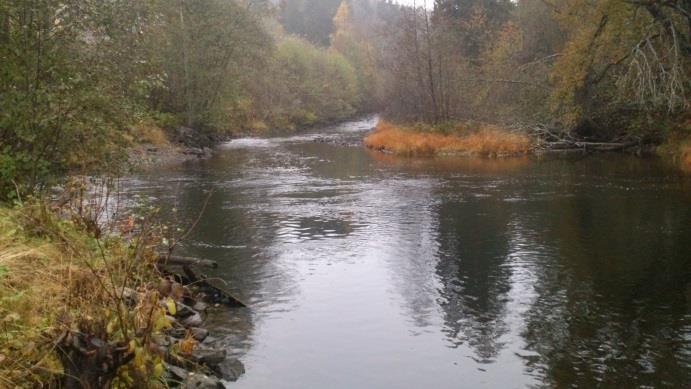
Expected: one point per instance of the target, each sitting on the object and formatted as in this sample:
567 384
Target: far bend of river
364 270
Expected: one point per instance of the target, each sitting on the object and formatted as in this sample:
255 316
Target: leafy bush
72 73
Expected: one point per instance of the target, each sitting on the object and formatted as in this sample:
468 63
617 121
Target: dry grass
149 132
56 277
35 291
489 141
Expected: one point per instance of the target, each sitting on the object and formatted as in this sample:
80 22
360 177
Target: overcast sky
418 2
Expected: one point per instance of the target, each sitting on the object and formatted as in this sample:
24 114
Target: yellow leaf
160 323
170 303
139 358
158 370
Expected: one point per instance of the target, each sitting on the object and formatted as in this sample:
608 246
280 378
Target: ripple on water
363 272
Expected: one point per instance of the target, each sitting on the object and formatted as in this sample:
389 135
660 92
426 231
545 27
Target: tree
204 49
620 65
309 19
71 75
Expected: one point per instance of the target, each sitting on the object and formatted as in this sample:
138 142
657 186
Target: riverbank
82 304
153 146
485 140
482 140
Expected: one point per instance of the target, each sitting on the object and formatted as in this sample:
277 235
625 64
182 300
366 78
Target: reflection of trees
611 306
606 277
416 243
474 282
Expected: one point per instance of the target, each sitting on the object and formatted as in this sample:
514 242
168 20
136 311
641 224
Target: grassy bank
484 140
64 290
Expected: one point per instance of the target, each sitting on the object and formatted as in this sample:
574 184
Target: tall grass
486 140
57 278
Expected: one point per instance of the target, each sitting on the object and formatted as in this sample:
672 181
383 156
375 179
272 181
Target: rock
210 340
130 297
192 321
177 373
200 306
177 332
209 357
161 340
184 311
174 376
199 334
185 134
230 369
194 151
201 381
174 322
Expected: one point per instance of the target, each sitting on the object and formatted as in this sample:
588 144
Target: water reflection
474 278
365 270
611 306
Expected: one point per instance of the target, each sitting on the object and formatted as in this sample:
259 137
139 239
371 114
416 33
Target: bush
72 76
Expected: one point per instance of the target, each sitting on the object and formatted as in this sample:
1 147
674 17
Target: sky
418 2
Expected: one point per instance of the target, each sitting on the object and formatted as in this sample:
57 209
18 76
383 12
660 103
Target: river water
364 270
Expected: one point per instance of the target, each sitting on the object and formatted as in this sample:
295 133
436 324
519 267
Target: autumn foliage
485 140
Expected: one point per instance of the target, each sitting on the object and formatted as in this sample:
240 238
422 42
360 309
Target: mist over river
365 270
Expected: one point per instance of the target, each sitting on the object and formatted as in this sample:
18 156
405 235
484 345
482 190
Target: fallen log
210 287
605 146
586 146
187 261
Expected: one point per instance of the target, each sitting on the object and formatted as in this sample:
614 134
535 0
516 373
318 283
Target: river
364 270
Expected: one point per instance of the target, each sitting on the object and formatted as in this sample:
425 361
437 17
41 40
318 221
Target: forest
80 79
84 82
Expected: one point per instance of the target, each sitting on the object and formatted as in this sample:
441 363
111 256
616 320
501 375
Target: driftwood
550 139
212 288
187 261
586 146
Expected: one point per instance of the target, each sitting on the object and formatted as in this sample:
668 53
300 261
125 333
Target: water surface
364 270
